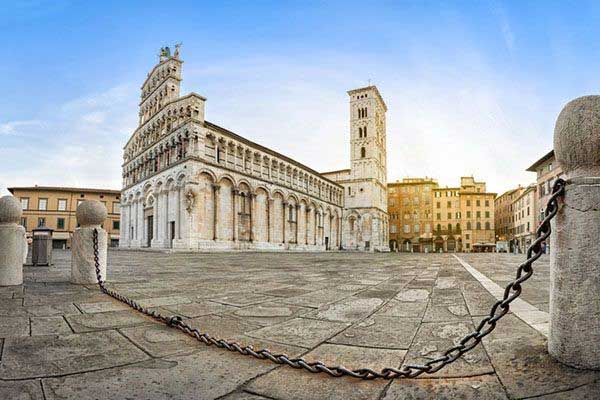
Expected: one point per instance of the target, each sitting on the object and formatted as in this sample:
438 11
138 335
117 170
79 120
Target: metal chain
485 327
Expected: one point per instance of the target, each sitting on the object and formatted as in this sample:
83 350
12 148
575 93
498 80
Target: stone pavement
60 341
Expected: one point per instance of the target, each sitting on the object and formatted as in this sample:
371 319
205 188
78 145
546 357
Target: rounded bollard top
90 213
577 137
10 210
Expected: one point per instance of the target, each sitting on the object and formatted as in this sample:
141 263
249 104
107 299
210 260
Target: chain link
485 327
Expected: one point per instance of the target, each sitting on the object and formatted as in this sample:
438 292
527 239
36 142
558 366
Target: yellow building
525 221
55 207
464 217
504 216
410 213
425 217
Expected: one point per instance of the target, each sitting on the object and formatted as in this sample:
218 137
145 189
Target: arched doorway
439 244
406 245
451 244
393 245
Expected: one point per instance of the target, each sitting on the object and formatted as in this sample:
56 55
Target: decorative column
284 205
215 188
140 215
155 217
306 219
574 334
91 214
330 231
315 227
178 211
234 193
268 205
251 197
297 223
339 235
13 243
167 230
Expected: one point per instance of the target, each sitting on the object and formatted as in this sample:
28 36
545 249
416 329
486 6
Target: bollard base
12 240
83 267
574 337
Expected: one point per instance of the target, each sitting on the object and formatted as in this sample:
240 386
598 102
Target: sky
472 88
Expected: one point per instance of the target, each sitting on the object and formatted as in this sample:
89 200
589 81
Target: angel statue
190 200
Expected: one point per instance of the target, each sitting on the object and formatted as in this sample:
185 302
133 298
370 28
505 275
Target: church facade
189 184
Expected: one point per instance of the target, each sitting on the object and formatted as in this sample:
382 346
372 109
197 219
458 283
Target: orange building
55 207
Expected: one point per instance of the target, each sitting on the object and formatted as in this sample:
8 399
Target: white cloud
505 28
79 144
17 127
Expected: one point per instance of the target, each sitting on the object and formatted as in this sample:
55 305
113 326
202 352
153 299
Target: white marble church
189 184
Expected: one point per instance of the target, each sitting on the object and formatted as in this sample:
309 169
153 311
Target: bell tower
368 158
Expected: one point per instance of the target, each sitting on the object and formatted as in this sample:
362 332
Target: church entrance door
150 234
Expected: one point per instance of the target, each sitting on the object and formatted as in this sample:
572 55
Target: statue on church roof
165 53
177 47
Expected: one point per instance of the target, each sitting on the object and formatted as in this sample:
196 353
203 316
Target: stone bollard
90 215
13 242
575 255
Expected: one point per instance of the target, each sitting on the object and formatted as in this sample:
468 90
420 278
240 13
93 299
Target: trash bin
41 250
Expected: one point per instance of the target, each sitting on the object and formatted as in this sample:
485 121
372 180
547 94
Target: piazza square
64 341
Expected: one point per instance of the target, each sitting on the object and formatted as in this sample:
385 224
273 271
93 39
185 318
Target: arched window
487 225
360 132
365 111
449 228
365 131
479 225
363 152
458 228
438 228
468 226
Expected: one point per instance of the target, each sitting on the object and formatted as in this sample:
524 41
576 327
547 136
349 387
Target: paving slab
21 390
347 310
41 356
433 338
301 332
14 326
485 387
55 325
103 306
223 326
206 374
291 384
380 331
106 320
160 340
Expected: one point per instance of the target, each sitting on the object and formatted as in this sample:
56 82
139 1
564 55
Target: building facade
192 185
464 217
55 207
525 219
426 217
504 216
410 213
547 170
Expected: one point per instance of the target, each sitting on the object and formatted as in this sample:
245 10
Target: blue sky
473 88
